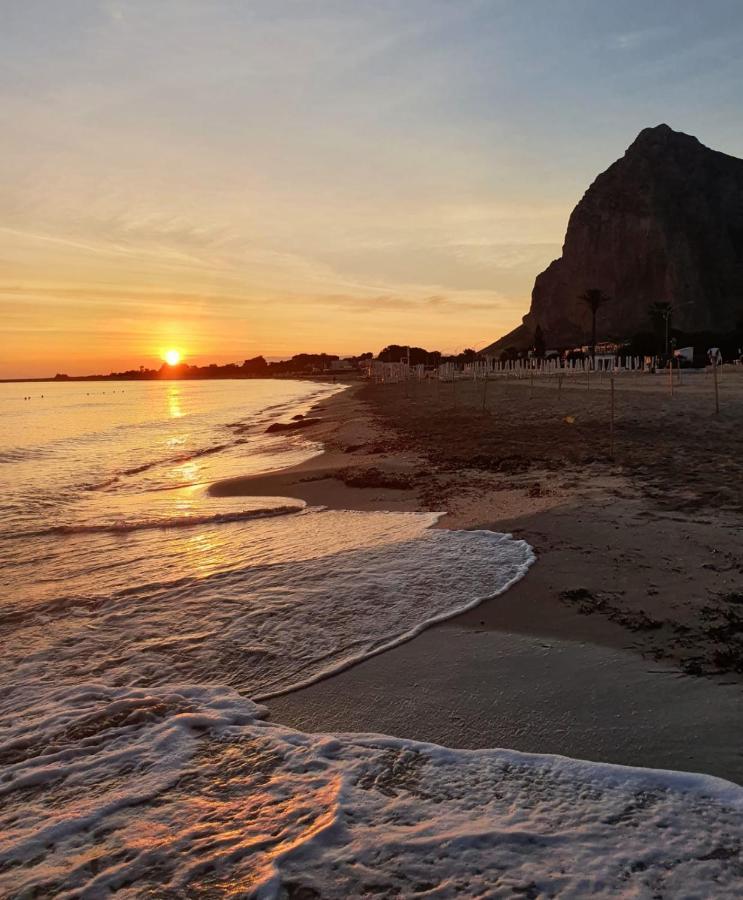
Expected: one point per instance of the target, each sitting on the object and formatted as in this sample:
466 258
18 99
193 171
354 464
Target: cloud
633 40
496 256
114 9
444 304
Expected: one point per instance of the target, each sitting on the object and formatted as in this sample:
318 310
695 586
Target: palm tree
661 311
594 300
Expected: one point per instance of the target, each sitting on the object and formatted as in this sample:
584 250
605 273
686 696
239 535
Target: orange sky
78 304
243 178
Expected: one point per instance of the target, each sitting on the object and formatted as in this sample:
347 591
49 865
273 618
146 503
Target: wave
20 454
102 485
186 791
180 458
277 447
278 606
177 459
514 559
168 521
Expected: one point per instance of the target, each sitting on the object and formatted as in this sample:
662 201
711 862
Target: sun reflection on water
187 472
174 403
202 553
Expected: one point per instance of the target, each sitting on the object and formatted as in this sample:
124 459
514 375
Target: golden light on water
175 410
172 357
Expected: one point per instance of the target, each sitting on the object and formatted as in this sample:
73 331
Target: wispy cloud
633 40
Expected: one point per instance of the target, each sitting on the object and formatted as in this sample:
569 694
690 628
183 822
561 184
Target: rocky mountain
663 223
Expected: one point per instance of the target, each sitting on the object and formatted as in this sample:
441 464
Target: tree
594 300
660 314
469 355
398 353
255 365
540 346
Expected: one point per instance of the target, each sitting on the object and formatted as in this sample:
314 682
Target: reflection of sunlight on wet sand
174 402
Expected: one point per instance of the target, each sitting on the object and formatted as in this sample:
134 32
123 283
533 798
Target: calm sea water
140 620
85 468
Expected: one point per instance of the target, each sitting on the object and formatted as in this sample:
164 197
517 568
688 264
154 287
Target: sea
145 626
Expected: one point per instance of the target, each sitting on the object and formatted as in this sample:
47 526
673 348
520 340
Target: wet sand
471 688
623 643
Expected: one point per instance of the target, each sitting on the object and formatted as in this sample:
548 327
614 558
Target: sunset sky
234 177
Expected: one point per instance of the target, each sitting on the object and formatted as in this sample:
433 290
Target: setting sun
172 357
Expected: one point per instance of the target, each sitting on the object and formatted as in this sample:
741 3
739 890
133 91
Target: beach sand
623 643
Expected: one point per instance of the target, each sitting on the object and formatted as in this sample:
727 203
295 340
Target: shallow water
64 450
140 618
88 469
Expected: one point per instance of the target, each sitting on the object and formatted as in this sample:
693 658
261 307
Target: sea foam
311 593
184 791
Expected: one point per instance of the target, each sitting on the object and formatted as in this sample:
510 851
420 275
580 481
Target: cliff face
663 223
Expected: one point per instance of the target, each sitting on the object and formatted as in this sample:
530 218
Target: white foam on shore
184 791
313 593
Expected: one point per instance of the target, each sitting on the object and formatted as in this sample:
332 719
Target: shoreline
316 481
480 678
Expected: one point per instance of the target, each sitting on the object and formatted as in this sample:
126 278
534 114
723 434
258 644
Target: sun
172 357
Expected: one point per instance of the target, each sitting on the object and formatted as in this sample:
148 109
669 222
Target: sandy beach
622 644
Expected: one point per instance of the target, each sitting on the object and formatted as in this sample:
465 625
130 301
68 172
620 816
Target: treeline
260 367
646 343
257 367
417 356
